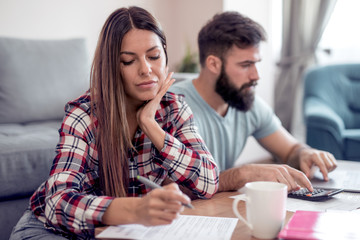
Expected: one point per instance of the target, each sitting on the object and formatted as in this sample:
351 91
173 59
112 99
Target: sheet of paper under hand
185 227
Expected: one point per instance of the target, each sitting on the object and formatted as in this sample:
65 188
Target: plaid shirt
70 201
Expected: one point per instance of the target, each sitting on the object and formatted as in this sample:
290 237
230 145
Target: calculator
318 194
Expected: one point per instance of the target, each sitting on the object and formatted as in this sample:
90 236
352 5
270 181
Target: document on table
185 227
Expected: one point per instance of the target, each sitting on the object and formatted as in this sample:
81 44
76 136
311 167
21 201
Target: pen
153 185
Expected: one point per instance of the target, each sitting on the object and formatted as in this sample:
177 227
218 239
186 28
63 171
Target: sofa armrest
319 114
324 127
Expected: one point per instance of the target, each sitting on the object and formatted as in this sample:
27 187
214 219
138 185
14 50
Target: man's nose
254 75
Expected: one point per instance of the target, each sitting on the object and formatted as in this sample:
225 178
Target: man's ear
213 63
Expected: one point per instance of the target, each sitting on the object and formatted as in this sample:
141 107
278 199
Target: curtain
304 22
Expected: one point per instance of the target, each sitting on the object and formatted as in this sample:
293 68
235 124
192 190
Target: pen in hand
153 185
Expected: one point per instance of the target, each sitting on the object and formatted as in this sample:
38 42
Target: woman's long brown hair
113 139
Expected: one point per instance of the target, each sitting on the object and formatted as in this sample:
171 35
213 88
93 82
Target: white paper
185 227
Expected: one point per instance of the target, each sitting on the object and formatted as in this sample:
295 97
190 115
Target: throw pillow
38 77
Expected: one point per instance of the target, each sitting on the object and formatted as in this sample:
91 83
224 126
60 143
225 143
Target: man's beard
241 99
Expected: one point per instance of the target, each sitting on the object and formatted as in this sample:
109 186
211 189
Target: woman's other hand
147 112
146 115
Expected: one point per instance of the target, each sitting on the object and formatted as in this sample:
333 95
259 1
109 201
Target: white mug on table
265 208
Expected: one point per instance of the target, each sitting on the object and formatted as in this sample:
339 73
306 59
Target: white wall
48 19
183 22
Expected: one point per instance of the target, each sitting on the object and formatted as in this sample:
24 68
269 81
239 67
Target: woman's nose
145 67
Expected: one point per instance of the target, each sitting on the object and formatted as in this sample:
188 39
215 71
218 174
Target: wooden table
220 205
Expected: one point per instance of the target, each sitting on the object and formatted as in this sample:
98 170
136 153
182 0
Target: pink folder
322 225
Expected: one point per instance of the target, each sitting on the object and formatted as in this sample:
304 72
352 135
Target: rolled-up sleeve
67 207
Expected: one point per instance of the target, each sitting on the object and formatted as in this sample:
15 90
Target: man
227 111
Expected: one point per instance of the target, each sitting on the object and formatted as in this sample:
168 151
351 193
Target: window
340 42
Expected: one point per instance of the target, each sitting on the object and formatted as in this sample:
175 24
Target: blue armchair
332 109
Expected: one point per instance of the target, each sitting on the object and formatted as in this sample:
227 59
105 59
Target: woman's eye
127 62
155 57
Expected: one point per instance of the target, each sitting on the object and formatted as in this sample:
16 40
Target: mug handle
235 209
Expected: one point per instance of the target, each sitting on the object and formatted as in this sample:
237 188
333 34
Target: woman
125 125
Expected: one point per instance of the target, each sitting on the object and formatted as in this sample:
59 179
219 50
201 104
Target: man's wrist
232 179
293 157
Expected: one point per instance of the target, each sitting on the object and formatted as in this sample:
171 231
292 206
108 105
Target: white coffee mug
265 208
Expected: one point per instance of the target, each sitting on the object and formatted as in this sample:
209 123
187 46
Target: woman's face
143 65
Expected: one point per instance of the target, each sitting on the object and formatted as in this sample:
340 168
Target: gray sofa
37 78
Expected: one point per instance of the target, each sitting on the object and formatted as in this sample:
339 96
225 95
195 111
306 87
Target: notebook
331 225
345 176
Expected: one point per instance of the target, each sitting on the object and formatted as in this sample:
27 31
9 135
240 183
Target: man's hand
236 178
309 157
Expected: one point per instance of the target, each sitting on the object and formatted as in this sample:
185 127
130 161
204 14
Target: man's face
238 77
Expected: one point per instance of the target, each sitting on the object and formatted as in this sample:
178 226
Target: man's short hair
226 29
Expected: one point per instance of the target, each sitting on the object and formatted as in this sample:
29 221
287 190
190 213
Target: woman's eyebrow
132 53
153 48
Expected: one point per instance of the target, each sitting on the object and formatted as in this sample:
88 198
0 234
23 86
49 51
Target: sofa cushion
37 77
26 155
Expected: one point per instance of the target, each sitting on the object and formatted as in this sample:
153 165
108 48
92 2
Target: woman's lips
147 84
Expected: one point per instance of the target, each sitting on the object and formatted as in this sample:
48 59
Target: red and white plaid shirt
70 201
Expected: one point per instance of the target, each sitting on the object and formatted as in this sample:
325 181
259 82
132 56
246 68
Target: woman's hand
147 112
146 115
161 206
